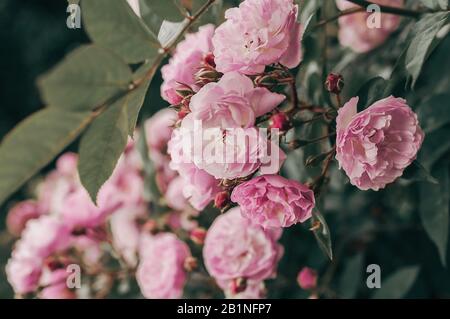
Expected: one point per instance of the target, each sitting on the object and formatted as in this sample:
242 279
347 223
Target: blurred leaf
434 112
85 79
169 32
417 173
398 284
435 145
114 25
434 210
155 13
435 4
371 91
419 48
322 233
102 145
351 277
34 143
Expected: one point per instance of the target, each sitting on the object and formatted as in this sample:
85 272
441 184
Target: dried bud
334 83
307 278
190 263
280 121
222 199
198 236
238 285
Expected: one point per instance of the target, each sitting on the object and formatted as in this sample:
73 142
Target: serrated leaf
419 48
322 233
434 113
398 284
416 172
85 79
371 91
34 143
113 24
434 210
351 277
102 145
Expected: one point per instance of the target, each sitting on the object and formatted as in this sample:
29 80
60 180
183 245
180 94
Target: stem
388 9
336 17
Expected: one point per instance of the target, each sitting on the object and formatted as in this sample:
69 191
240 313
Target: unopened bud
206 75
198 236
190 263
334 83
238 285
307 278
222 199
185 91
280 121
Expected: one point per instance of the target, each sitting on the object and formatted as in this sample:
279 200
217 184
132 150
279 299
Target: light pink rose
235 248
161 273
55 285
376 145
158 130
274 201
20 214
186 61
258 33
23 274
174 195
232 102
307 278
354 31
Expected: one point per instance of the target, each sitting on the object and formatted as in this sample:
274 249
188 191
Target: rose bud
307 278
198 235
280 121
222 199
238 285
334 83
190 263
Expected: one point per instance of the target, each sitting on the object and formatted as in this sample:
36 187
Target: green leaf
351 277
85 79
169 31
102 145
434 113
113 24
420 46
155 12
417 173
398 284
435 4
434 210
322 234
371 91
34 143
435 145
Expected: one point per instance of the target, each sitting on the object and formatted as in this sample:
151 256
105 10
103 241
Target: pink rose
234 249
174 194
258 33
20 214
274 201
57 291
354 31
307 278
158 130
161 273
186 61
376 145
23 274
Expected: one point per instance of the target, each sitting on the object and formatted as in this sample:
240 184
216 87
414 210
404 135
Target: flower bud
280 121
185 91
238 285
334 83
198 235
190 263
307 278
222 199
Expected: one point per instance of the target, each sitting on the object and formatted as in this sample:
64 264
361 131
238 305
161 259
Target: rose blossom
376 145
186 61
20 214
161 273
354 31
258 33
234 248
307 278
174 195
274 201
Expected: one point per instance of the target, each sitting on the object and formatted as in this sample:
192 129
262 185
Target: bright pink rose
186 61
376 145
161 273
307 278
232 102
235 248
258 33
354 30
20 214
174 195
274 201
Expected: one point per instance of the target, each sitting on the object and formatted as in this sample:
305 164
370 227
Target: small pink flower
161 273
376 145
307 278
234 248
258 33
20 214
354 30
186 61
274 201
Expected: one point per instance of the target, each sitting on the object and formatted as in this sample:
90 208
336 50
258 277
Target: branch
336 17
388 9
